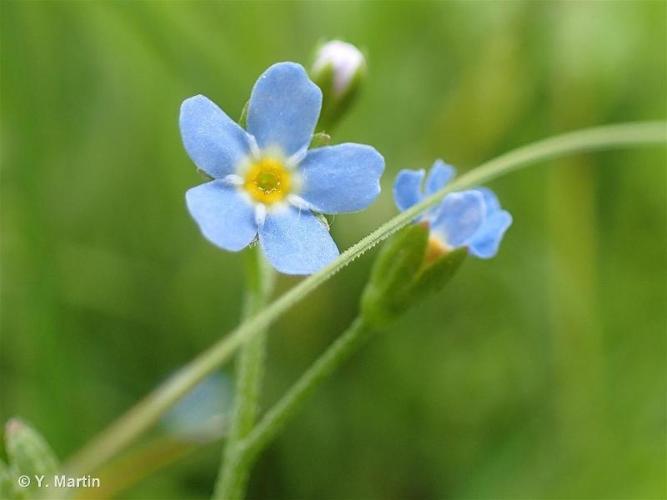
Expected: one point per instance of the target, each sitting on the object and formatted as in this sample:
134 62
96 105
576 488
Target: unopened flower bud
29 455
338 70
345 61
409 267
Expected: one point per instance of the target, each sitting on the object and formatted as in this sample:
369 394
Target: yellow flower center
434 250
268 181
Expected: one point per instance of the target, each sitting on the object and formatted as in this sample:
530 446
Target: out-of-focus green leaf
29 453
7 482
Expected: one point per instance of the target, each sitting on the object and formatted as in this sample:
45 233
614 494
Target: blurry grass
539 374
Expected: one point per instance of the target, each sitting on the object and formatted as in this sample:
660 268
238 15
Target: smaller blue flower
202 413
472 219
267 186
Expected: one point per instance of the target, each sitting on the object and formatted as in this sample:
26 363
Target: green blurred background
539 374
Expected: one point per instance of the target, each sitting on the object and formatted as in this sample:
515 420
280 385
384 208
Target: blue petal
296 242
439 175
490 200
342 178
460 216
284 107
226 218
213 140
486 241
407 188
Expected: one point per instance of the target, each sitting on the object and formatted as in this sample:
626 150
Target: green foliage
402 276
28 451
7 482
29 455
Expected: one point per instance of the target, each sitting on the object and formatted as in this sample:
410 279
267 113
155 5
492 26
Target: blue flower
471 219
202 413
266 183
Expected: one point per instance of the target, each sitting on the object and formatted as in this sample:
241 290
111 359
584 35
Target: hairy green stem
143 415
276 418
232 478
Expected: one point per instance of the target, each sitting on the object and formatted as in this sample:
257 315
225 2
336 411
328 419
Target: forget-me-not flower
345 62
471 218
266 183
203 412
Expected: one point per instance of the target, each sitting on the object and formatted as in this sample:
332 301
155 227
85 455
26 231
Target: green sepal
385 294
243 120
342 103
437 274
323 220
29 453
7 482
324 79
335 106
320 139
401 277
204 175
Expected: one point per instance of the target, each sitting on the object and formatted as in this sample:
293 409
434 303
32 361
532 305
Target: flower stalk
278 416
233 475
